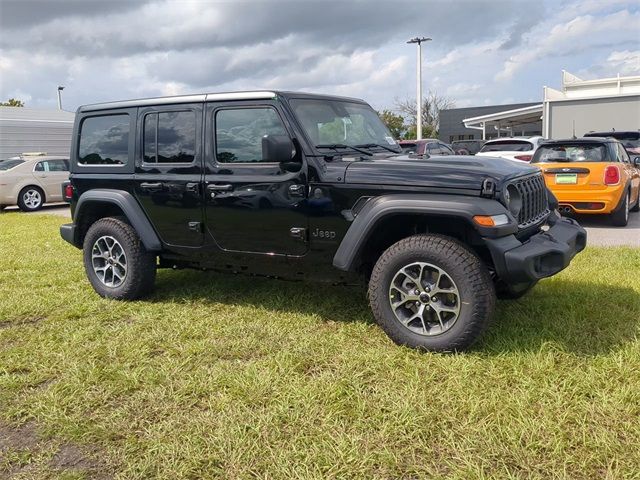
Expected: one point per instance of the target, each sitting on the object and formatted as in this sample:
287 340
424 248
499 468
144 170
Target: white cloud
625 62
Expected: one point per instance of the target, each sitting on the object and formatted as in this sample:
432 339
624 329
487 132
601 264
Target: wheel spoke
109 261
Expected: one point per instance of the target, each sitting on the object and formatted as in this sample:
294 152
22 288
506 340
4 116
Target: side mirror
277 148
636 162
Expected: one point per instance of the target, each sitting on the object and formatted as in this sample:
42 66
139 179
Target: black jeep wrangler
309 187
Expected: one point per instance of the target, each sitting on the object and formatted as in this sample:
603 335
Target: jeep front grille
535 205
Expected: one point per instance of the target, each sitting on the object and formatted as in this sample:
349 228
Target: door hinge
195 227
299 233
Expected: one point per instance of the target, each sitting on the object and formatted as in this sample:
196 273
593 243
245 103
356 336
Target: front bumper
542 255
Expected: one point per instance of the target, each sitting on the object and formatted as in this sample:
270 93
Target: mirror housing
636 162
277 148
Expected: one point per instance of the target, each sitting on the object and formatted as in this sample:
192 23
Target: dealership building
578 107
33 130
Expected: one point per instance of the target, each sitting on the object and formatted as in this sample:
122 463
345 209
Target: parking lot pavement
601 233
61 209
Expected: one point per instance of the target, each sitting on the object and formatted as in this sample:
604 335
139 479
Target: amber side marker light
491 220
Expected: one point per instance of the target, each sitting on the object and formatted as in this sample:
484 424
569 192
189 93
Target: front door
251 205
168 178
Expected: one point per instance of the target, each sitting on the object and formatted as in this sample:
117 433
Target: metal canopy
507 119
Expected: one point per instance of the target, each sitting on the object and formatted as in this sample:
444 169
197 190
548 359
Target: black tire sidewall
401 334
139 278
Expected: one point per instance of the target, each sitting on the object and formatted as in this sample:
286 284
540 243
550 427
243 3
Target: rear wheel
620 217
116 262
636 207
432 293
30 199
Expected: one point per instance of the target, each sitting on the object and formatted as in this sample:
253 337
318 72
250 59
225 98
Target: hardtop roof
211 97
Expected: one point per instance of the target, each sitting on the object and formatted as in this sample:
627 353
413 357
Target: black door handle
151 186
220 187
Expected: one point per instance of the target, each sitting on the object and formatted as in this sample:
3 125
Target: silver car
29 182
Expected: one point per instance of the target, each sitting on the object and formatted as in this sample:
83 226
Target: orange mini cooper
591 176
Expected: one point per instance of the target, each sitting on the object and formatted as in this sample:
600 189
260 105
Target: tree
432 104
394 122
12 102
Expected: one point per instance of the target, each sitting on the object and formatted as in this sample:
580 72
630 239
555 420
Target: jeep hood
459 172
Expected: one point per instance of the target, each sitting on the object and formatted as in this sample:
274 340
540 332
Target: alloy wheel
109 261
32 198
424 298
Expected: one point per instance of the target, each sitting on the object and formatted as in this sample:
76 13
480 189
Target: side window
239 132
446 150
104 140
432 149
58 166
170 137
41 167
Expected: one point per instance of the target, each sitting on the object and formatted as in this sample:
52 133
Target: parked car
426 146
31 181
471 146
630 140
337 202
591 176
512 148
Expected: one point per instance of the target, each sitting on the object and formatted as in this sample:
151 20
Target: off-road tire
141 264
620 217
513 292
30 208
477 293
636 207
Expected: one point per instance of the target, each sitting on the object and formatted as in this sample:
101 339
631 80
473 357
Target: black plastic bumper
540 256
68 233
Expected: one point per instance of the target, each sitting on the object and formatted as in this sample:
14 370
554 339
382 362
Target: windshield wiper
371 145
336 146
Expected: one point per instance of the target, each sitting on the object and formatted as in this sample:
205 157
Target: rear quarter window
104 140
9 164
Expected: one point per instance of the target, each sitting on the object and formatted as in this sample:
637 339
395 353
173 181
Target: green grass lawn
235 377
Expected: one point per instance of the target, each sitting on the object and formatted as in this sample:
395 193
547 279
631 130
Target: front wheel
431 292
116 262
636 207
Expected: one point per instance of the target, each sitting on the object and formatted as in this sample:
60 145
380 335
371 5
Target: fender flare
131 209
376 209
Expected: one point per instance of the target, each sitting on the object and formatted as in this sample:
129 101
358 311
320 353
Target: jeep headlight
513 200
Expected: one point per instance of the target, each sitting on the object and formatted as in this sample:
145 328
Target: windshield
409 147
596 152
507 146
8 164
343 124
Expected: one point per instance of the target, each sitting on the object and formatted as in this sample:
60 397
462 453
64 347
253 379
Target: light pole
60 88
419 41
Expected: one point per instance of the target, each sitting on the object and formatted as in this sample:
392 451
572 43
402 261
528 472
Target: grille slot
534 200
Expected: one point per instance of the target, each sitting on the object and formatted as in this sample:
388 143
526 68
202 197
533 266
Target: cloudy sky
483 52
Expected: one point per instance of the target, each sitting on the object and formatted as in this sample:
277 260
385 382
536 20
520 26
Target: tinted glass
596 152
150 129
170 137
446 150
507 146
41 167
104 140
7 164
239 133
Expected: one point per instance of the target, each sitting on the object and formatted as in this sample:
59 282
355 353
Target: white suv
519 149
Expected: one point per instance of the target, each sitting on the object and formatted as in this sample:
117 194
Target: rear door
50 174
168 171
630 171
